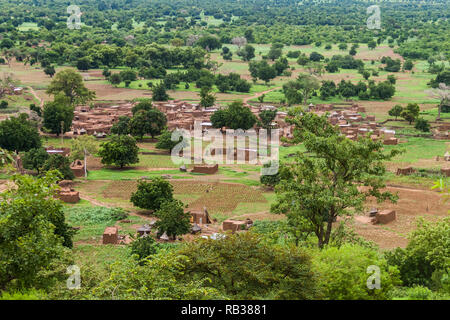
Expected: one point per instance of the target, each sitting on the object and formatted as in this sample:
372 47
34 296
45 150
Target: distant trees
19 134
247 53
151 195
422 125
267 117
262 70
305 85
159 93
411 112
119 151
396 111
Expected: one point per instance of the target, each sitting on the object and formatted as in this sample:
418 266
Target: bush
427 251
151 195
343 273
3 104
144 247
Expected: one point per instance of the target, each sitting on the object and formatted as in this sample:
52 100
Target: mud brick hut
111 235
207 169
385 216
234 225
77 168
200 217
69 195
405 171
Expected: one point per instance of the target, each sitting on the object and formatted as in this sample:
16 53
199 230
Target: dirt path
41 103
259 94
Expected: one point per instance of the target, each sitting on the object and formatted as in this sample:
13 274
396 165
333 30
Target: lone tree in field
411 112
443 94
172 219
151 195
396 111
307 84
326 182
120 151
70 83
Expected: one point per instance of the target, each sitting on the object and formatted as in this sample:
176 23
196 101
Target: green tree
50 71
396 111
323 184
172 219
236 116
115 79
71 84
34 159
244 266
60 163
119 151
411 112
151 195
58 115
19 134
207 97
422 125
33 233
427 253
144 247
307 84
121 127
159 93
267 117
247 53
165 141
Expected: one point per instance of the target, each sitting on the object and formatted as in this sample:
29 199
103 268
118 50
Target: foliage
151 195
119 151
95 215
144 247
422 125
60 163
165 141
236 116
33 231
428 251
34 159
19 134
343 273
70 83
58 115
172 219
324 184
242 266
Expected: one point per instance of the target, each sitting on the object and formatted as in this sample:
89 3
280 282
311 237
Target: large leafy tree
150 121
151 195
335 175
33 231
119 151
307 84
19 134
236 116
60 163
34 159
172 219
58 115
70 83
